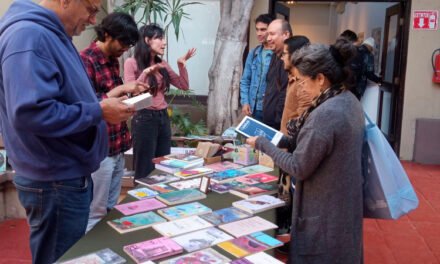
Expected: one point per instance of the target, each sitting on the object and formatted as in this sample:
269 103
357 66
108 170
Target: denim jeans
151 138
106 187
258 114
57 213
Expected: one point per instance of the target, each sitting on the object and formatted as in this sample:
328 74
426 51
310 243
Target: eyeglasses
92 9
300 82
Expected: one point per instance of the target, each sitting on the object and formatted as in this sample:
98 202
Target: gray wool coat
327 205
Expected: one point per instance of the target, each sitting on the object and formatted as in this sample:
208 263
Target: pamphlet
104 256
225 215
247 226
250 127
181 226
139 206
202 239
135 222
204 256
153 249
184 210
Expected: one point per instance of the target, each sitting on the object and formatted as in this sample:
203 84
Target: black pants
151 138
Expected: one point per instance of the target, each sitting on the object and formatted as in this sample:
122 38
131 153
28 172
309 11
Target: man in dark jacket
277 78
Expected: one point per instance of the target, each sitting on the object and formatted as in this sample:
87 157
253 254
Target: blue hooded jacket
51 119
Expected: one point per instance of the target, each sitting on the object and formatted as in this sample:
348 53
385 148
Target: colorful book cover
142 193
186 184
162 188
153 249
187 157
182 164
242 246
167 169
225 215
184 210
157 178
189 173
181 226
255 169
254 190
139 206
204 256
202 239
223 165
135 222
181 196
258 258
104 256
247 226
226 186
227 175
258 204
257 178
265 239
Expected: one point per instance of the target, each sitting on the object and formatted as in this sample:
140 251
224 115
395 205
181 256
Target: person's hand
251 141
133 88
246 110
189 54
153 68
114 111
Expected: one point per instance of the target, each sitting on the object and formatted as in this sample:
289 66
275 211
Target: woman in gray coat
326 161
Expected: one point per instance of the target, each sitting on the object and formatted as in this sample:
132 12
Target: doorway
391 62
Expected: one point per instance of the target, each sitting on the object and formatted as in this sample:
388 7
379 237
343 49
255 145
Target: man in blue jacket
52 122
253 81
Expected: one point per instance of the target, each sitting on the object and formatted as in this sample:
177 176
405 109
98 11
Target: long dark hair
142 55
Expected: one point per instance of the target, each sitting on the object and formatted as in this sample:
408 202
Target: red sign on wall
425 19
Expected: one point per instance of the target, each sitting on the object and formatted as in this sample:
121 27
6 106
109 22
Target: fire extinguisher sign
425 19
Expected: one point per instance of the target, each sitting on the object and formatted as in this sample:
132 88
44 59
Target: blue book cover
224 216
184 210
250 127
266 239
227 175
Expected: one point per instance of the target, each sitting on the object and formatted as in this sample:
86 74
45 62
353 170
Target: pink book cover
139 206
258 178
157 248
223 165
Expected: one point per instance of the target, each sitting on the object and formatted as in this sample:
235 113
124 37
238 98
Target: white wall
260 7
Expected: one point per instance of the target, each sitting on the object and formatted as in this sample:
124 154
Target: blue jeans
258 114
57 213
151 131
106 188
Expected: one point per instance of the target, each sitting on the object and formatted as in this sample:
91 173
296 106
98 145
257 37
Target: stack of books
258 204
175 162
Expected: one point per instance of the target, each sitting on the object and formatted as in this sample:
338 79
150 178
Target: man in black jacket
277 78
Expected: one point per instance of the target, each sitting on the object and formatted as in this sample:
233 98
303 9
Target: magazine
250 127
204 256
247 226
135 222
191 173
162 188
254 190
202 239
142 193
258 204
226 186
227 175
242 246
223 165
254 169
181 196
139 206
257 178
153 249
181 226
225 215
184 210
186 184
258 258
103 256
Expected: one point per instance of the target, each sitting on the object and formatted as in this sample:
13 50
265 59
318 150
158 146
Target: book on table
181 196
181 226
187 157
254 169
250 244
135 222
162 188
157 178
139 206
202 239
226 186
258 258
258 178
193 183
223 165
184 210
247 226
104 256
192 173
142 193
167 169
182 164
254 190
258 204
226 175
204 256
250 127
153 249
225 215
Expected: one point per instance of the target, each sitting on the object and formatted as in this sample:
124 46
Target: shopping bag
388 193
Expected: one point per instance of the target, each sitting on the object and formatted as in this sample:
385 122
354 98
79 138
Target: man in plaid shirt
115 35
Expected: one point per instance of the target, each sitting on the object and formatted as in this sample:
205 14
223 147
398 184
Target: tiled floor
413 239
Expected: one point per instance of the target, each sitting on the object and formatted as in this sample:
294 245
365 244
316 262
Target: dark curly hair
120 26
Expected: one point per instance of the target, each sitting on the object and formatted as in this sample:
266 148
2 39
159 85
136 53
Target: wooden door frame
406 15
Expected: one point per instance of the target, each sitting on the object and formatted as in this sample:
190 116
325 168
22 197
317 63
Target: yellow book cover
233 249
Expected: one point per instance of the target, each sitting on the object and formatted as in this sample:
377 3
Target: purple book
153 249
139 206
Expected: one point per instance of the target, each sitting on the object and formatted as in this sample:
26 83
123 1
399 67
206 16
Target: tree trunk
227 65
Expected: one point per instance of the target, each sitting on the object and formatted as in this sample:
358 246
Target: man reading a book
115 35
